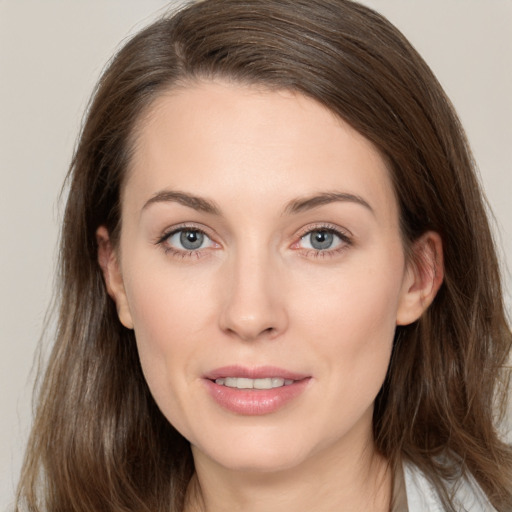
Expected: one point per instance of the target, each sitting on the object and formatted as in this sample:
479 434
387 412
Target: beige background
51 54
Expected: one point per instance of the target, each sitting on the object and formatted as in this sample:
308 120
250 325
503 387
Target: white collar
422 497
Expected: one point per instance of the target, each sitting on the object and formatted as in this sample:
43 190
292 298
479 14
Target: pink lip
260 372
254 402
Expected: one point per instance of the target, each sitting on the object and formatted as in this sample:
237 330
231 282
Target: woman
279 287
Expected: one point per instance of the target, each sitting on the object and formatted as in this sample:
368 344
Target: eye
323 240
320 240
186 240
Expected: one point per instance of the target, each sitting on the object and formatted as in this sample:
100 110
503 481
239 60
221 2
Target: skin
258 293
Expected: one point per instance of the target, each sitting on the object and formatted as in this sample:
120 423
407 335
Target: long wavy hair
99 442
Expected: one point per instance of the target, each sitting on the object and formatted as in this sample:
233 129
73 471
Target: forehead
243 141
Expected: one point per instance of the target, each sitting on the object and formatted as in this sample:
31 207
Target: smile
253 391
246 383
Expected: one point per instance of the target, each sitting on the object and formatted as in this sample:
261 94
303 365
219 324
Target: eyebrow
171 196
295 206
308 203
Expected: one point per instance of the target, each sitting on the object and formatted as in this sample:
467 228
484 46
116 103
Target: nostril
250 333
249 315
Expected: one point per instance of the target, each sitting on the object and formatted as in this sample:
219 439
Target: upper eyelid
325 226
181 227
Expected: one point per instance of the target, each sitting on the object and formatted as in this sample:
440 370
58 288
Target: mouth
261 377
247 383
255 391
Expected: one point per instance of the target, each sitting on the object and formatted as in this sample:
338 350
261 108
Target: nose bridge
254 302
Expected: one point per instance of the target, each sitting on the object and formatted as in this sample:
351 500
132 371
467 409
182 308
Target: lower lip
255 402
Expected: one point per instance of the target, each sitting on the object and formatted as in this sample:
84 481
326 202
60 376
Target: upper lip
257 372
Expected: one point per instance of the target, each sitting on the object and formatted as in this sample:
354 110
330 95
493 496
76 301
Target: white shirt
422 497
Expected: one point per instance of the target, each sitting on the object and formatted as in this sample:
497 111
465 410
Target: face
261 266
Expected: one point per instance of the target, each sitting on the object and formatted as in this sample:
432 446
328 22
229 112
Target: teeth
245 383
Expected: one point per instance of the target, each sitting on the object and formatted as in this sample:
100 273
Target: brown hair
99 441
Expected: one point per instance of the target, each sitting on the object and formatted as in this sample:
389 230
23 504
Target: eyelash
181 253
344 236
345 239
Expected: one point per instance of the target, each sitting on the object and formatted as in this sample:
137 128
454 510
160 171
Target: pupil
191 240
321 239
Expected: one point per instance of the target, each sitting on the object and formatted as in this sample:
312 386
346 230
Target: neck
329 480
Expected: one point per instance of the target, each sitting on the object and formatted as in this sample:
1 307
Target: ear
109 263
423 278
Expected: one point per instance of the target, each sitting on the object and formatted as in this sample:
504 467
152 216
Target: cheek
346 302
351 324
165 301
168 314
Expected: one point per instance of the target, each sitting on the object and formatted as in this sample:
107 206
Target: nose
254 300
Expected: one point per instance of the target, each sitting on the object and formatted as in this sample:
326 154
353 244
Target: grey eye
189 240
321 240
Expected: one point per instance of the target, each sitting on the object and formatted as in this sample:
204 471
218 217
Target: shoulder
422 497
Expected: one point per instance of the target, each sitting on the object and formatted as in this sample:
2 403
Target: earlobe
423 278
108 261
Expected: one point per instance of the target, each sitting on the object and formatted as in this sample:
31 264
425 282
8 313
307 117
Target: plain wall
51 54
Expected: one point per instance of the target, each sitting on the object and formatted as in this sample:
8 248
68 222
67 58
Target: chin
253 451
259 461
